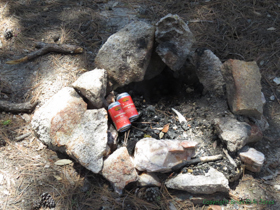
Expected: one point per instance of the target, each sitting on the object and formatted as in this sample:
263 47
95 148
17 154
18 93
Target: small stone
92 86
272 98
148 179
252 158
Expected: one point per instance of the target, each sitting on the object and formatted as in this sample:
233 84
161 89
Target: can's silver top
113 105
122 95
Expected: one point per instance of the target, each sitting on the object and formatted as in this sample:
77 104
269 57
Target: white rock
252 158
119 169
213 181
153 155
92 85
65 125
277 80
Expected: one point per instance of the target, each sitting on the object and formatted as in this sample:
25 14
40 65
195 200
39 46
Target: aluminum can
119 117
128 106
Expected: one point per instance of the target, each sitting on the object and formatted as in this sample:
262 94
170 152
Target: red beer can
128 106
119 117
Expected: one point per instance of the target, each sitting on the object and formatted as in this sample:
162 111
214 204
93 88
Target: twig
17 107
229 158
138 128
23 136
46 48
196 160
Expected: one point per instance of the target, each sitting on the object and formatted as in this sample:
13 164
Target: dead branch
21 137
46 48
230 158
17 107
195 161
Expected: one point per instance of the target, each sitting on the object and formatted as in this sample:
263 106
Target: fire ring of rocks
187 137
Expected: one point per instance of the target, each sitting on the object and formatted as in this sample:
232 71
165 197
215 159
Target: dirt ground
238 29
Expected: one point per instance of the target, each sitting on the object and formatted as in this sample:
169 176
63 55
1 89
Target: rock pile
66 124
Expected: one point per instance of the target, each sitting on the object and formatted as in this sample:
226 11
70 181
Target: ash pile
198 117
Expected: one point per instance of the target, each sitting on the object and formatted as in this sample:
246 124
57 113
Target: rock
65 125
110 98
208 70
213 181
174 40
234 133
92 86
153 155
243 84
148 179
112 138
261 123
187 74
256 133
252 158
155 66
119 169
126 54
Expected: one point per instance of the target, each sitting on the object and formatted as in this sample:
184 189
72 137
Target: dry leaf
165 128
57 177
161 134
63 162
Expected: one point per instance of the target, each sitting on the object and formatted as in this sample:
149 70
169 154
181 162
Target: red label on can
119 117
128 106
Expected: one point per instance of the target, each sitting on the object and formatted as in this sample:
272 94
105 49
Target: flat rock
252 158
174 40
153 155
234 133
208 70
92 86
65 125
243 85
213 181
119 169
148 179
126 54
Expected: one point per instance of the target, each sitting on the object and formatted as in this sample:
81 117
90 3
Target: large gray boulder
213 181
174 40
92 86
126 54
243 84
65 125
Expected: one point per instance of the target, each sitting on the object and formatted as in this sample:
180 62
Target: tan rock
243 84
119 169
